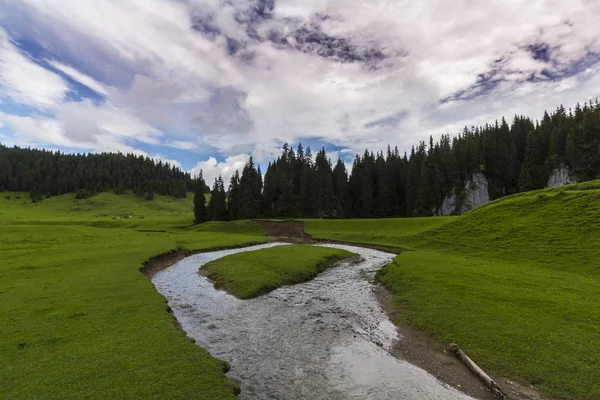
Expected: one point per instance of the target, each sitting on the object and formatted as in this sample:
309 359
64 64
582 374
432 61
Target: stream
324 339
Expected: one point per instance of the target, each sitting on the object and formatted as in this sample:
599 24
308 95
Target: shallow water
323 339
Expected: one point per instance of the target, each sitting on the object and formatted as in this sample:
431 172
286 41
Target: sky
204 84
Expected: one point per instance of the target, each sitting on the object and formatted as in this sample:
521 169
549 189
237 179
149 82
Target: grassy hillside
559 227
390 232
516 283
253 273
104 209
78 319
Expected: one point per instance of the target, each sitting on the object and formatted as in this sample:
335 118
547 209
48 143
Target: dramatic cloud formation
221 80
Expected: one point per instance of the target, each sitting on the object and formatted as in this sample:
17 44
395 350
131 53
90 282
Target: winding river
323 339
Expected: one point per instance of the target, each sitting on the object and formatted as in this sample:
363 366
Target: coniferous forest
47 173
514 156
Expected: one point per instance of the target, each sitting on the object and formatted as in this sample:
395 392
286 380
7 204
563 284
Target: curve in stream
323 339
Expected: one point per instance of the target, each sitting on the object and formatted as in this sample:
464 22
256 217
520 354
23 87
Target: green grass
515 283
253 273
78 319
390 232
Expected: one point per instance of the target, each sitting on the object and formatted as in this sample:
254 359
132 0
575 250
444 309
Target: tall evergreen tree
199 200
323 199
233 206
250 192
341 192
217 206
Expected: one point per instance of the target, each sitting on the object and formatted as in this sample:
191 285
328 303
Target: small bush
82 194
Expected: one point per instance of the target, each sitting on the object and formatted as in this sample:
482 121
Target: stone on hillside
561 176
475 193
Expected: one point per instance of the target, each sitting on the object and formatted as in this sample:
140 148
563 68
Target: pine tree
250 192
323 200
382 205
233 206
217 206
341 191
200 201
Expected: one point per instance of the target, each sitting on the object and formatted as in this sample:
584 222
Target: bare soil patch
284 229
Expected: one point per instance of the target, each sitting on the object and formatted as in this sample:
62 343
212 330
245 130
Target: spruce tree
250 192
200 200
341 191
233 206
217 206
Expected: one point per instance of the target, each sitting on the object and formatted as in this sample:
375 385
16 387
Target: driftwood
485 378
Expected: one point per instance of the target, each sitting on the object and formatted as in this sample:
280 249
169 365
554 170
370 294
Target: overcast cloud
213 82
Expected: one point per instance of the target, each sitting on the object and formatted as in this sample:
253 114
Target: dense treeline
514 157
48 173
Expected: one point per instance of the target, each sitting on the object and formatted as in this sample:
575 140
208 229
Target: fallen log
485 378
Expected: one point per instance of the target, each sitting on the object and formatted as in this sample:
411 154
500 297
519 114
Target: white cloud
182 145
36 131
160 157
86 122
211 169
25 82
190 90
80 77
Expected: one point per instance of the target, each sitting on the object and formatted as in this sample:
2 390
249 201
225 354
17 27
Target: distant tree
233 205
250 192
323 198
35 194
200 200
217 206
83 194
150 195
382 203
339 180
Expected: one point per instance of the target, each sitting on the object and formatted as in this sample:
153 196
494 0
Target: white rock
561 176
475 194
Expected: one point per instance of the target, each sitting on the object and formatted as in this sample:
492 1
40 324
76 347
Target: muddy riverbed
323 339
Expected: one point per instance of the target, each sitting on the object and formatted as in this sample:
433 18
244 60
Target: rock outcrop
561 176
474 194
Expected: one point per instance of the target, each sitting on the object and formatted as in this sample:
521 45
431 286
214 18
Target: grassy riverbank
253 273
515 282
78 319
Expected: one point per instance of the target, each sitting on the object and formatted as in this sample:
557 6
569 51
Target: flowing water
323 339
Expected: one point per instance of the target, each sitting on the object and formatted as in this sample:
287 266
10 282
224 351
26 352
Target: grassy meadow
515 283
253 273
78 319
